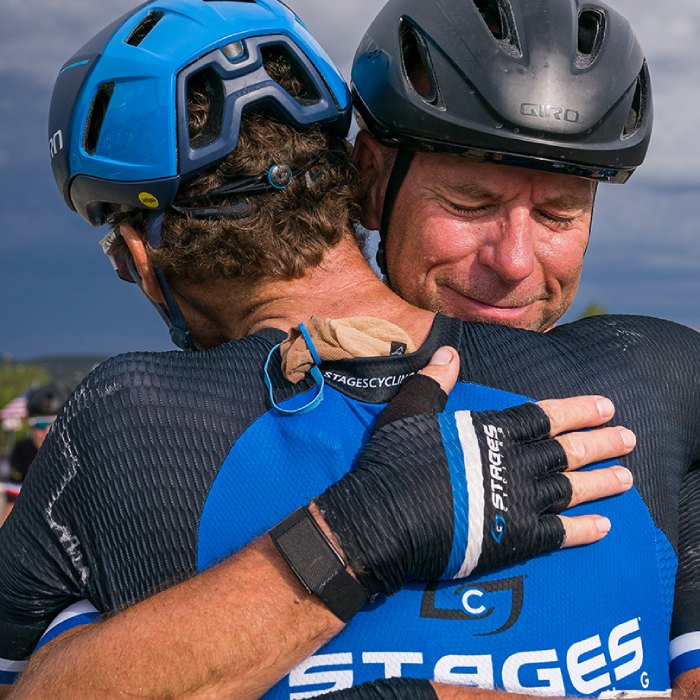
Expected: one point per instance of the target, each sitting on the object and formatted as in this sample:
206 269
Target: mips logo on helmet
149 200
529 109
56 143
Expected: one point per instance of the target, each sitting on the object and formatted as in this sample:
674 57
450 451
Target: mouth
470 309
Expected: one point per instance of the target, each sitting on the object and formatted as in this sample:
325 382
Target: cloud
338 26
35 40
643 256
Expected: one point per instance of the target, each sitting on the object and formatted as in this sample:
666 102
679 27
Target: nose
510 253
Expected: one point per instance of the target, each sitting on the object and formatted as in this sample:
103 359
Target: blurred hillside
68 370
17 376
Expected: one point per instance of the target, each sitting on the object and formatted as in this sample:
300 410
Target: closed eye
468 211
562 222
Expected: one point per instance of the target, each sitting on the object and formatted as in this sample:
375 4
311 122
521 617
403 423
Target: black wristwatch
318 565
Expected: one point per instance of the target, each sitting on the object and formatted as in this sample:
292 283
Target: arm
204 636
687 685
451 692
410 689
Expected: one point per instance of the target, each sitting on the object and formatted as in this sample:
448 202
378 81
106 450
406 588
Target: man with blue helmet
161 465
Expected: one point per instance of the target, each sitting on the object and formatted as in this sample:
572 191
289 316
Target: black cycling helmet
555 84
46 400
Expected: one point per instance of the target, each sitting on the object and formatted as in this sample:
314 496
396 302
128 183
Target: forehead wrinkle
468 188
569 201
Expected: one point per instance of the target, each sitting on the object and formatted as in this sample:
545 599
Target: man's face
487 242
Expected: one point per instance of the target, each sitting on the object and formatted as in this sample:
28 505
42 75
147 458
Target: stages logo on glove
507 484
496 465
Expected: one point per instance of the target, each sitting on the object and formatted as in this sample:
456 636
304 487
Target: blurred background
62 309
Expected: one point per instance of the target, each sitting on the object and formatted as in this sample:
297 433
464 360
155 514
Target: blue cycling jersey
569 623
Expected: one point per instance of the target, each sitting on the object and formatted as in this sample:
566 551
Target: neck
342 285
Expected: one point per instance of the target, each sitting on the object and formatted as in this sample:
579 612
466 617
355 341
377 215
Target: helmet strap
171 314
402 163
590 226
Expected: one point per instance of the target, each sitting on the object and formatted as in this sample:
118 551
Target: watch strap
318 565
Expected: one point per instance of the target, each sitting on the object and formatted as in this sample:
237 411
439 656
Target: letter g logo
498 529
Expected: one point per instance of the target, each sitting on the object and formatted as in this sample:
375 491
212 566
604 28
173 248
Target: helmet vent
417 68
500 21
638 106
144 28
205 105
591 31
285 70
96 117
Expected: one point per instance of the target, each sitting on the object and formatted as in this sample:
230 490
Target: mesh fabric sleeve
38 580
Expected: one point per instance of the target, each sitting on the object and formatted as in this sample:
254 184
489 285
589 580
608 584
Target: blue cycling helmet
118 124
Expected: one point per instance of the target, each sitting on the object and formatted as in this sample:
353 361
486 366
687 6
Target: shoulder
172 378
646 333
140 419
150 404
134 367
592 355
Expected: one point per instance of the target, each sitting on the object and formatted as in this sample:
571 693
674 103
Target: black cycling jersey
161 464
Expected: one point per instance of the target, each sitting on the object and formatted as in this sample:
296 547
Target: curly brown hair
286 231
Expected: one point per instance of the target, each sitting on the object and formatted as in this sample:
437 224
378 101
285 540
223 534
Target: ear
149 281
371 159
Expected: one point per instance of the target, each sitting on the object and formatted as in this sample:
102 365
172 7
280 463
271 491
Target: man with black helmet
163 464
43 404
488 126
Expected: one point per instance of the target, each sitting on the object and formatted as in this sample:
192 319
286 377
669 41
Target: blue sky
58 294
